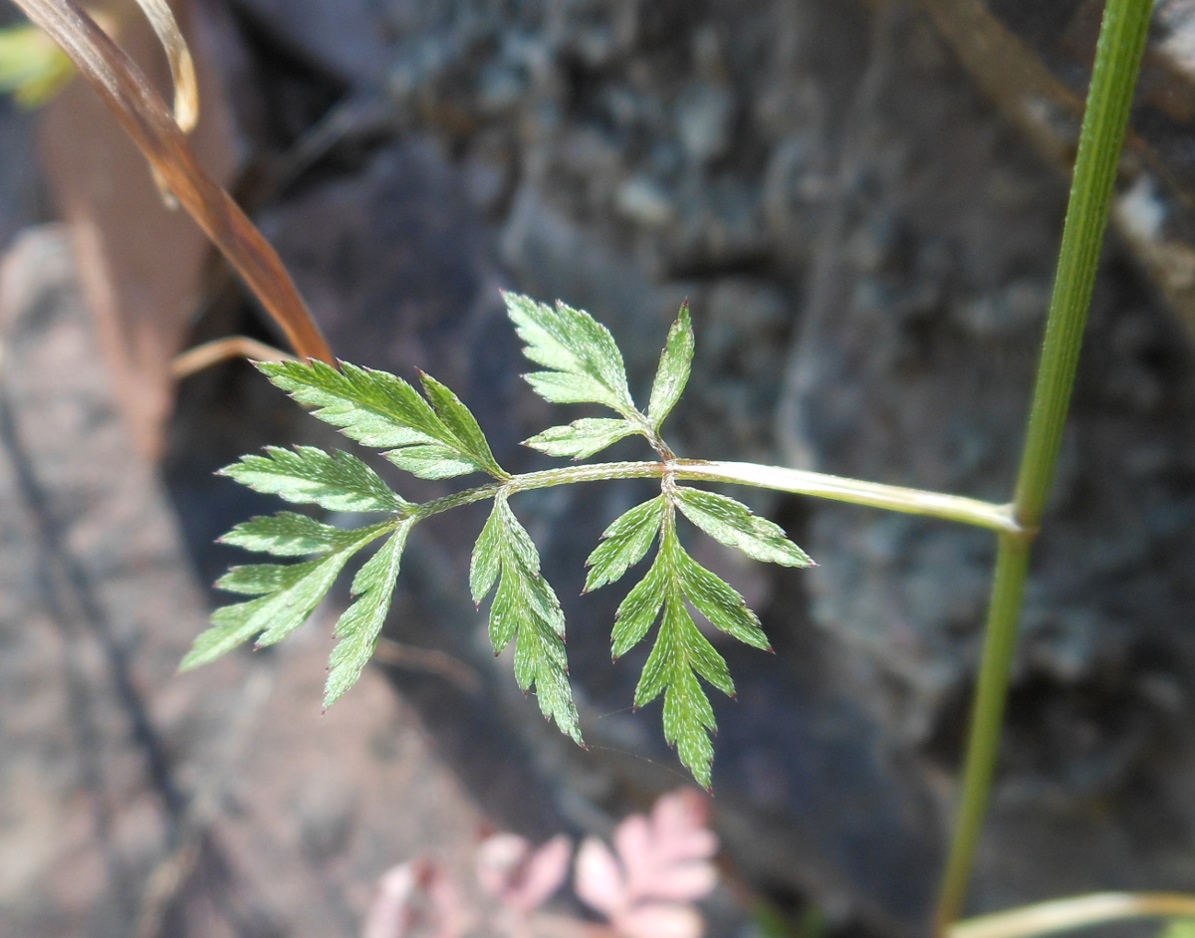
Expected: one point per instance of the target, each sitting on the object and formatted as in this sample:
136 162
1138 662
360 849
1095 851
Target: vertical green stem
1114 78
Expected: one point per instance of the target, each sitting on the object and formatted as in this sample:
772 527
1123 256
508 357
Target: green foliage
32 67
335 481
584 365
681 652
581 438
287 595
359 627
673 373
434 436
1179 928
525 609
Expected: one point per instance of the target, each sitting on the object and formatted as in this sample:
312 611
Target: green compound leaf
732 523
436 438
287 595
526 610
359 626
584 365
624 543
673 372
335 480
581 438
681 653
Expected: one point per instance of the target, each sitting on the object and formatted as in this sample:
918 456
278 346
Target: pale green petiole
957 508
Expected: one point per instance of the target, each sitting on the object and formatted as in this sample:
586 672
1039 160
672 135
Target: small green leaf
680 647
527 611
257 579
290 595
461 424
431 461
680 653
720 603
624 543
688 723
673 372
582 360
581 438
638 610
433 440
335 480
358 628
372 407
287 534
485 561
731 523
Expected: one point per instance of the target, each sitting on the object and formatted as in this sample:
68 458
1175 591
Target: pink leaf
599 880
415 899
518 877
661 921
681 821
683 882
663 863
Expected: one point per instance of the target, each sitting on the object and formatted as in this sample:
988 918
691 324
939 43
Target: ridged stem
1114 78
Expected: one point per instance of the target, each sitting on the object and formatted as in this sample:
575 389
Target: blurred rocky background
862 203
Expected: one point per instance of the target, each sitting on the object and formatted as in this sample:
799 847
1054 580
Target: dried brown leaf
127 93
182 67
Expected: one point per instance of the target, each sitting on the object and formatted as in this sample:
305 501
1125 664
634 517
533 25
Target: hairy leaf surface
335 480
720 602
732 523
288 594
624 543
581 438
435 438
287 534
681 653
525 610
359 626
673 372
582 360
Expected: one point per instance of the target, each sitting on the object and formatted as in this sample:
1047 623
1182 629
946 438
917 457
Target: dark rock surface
867 247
